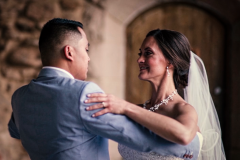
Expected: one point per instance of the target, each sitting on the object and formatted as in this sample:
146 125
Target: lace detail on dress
130 154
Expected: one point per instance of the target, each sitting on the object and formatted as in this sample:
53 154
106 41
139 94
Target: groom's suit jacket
49 117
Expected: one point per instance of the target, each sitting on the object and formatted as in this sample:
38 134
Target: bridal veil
198 95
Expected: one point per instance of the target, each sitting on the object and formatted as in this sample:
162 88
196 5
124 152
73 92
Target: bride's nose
141 59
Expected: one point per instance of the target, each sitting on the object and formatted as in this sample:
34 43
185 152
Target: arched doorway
205 33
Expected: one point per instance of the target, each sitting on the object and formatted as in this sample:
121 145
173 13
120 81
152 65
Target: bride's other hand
110 103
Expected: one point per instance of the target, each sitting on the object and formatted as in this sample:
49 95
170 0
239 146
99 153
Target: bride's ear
170 66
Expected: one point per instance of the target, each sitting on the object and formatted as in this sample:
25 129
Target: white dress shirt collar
59 69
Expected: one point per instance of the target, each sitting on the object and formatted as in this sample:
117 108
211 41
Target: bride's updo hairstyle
176 48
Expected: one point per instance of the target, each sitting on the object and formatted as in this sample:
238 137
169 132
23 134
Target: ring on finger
103 104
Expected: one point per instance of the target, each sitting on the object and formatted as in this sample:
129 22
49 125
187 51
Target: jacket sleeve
129 133
13 128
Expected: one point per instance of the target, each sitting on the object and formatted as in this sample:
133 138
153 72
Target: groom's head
64 44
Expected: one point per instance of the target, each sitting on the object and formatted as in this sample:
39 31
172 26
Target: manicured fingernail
93 115
87 108
86 101
89 95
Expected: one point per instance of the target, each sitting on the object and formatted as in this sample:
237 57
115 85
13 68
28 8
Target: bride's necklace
165 101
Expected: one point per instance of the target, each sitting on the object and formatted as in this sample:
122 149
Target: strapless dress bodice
130 154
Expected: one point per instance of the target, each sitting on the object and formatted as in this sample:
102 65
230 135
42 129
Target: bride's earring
168 73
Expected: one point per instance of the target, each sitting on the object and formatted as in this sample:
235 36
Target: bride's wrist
129 109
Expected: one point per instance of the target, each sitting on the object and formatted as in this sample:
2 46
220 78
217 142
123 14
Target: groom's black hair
53 33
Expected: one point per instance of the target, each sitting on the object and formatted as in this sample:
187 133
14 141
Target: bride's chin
142 78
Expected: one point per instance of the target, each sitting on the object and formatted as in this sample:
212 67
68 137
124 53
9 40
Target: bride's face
151 61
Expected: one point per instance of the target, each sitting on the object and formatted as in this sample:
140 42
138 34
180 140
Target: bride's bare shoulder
185 108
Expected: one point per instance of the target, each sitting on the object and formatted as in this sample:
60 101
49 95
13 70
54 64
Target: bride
166 62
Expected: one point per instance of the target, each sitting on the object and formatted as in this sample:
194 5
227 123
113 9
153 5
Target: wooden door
204 32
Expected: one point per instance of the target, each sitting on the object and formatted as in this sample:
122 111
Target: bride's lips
143 68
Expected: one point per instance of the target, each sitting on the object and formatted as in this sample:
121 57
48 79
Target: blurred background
115 30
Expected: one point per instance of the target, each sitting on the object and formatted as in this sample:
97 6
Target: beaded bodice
130 154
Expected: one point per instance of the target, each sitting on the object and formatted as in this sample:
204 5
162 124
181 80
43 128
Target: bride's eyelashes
146 54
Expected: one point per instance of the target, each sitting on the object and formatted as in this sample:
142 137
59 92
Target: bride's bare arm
180 130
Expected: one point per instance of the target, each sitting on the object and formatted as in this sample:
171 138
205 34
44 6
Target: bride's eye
147 53
139 54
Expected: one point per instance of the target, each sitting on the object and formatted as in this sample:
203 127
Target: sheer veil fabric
198 95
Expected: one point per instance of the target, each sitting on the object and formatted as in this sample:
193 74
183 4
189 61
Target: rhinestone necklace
165 101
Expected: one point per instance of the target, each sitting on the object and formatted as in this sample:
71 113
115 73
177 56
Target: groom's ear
68 52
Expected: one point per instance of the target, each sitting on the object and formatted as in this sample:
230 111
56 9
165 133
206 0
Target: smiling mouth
143 68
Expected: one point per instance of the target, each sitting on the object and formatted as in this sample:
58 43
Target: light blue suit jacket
49 117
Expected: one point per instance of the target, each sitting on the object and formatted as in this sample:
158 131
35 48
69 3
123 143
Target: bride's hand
110 103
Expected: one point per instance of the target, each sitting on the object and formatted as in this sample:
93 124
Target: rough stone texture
27 57
93 24
20 25
25 24
98 3
70 5
39 10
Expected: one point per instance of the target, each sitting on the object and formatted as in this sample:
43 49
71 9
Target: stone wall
20 25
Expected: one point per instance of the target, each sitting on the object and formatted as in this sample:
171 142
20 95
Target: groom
49 113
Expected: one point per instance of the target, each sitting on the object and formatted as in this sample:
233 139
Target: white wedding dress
131 154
